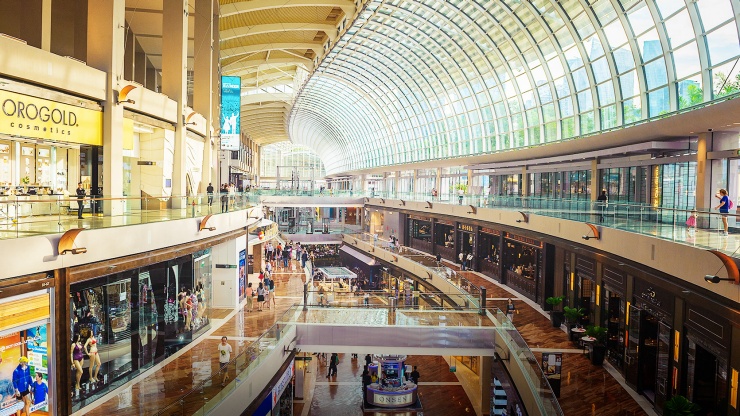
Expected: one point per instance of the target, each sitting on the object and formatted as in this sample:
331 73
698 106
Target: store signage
650 296
231 103
525 240
281 384
465 227
415 217
490 231
226 266
23 115
445 222
400 399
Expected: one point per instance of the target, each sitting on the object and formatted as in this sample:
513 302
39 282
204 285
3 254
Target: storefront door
706 378
661 374
633 342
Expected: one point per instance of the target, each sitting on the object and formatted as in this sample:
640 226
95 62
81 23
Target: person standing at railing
209 191
439 260
460 195
603 203
724 207
511 310
80 199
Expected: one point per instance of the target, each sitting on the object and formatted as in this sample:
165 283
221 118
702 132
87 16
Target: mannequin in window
78 360
91 348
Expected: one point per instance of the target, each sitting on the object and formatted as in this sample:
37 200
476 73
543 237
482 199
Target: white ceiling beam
265 98
348 6
252 65
244 31
264 47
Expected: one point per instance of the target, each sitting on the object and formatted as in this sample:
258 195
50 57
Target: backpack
729 203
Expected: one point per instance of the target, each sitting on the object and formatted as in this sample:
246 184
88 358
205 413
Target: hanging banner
231 103
552 366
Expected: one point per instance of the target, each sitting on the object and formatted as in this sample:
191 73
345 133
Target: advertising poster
242 274
31 343
552 365
231 102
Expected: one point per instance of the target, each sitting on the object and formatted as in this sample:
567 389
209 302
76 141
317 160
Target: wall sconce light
525 217
204 224
402 204
382 200
186 120
596 234
429 205
66 242
123 95
473 210
732 271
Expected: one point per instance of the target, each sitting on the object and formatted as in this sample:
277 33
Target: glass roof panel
444 74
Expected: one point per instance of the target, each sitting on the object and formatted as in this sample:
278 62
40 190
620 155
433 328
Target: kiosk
392 389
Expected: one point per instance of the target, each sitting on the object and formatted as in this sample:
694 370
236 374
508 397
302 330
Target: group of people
466 260
228 192
28 389
191 306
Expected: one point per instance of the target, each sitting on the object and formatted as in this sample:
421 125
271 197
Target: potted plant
680 406
555 315
598 350
572 315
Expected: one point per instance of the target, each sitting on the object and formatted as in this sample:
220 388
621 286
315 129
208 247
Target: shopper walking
461 257
333 361
224 356
250 294
603 203
469 260
260 297
209 192
224 198
511 310
80 199
439 259
415 376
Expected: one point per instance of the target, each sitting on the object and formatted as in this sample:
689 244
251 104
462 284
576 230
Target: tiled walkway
586 389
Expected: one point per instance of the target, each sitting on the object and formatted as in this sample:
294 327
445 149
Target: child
691 222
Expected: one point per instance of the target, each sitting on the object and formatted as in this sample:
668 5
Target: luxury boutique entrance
647 355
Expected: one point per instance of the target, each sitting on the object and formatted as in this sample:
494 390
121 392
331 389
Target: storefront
444 239
46 146
26 337
522 258
466 243
123 323
585 280
420 233
649 329
613 312
277 400
489 252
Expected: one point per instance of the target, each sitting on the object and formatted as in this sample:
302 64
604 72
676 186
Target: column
216 88
202 80
703 173
128 56
140 67
396 182
46 25
525 182
595 180
105 47
438 181
484 375
174 85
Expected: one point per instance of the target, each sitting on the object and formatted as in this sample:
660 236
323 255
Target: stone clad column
203 95
174 85
105 49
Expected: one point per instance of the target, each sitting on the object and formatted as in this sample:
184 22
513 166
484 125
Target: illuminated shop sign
22 115
231 103
401 399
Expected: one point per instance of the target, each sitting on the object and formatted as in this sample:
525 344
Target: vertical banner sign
231 100
242 274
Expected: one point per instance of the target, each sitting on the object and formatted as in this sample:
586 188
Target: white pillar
105 46
174 85
203 80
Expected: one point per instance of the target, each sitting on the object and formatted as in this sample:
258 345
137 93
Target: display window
124 323
445 235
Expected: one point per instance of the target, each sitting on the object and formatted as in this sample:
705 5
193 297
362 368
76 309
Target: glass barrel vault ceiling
421 80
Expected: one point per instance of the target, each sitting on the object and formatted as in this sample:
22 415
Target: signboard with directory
552 365
230 112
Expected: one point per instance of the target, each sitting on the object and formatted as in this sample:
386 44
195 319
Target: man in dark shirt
224 198
603 201
415 376
366 380
209 191
80 199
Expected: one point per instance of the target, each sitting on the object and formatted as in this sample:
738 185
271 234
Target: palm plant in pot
599 346
680 406
572 315
555 315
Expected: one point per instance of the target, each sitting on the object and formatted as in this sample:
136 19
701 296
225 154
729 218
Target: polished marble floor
587 390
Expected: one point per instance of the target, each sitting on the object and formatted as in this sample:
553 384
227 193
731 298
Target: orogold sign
23 115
